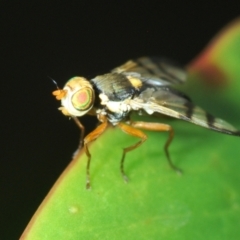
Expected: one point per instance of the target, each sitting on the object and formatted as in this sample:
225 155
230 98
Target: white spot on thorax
117 107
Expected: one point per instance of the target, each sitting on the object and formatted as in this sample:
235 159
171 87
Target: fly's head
77 97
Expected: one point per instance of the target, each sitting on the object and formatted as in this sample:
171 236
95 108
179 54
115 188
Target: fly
141 85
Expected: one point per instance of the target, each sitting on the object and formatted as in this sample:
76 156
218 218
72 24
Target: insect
143 85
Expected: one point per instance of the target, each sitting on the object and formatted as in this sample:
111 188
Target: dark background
64 40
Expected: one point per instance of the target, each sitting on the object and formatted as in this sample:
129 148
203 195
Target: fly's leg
89 138
133 132
82 132
160 127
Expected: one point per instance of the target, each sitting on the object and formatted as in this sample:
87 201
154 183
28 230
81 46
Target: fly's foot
125 178
178 170
88 185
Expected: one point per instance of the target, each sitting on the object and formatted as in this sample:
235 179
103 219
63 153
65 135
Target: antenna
54 82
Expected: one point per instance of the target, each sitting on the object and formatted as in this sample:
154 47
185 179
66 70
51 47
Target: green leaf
157 203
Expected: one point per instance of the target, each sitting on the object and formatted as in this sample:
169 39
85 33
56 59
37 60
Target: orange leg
82 131
89 138
131 130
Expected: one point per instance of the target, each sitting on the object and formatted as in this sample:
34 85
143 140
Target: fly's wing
157 97
153 71
164 101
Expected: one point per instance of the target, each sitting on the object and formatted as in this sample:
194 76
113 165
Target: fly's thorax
117 87
79 97
115 106
115 111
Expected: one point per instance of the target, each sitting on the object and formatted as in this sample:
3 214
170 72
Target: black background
63 40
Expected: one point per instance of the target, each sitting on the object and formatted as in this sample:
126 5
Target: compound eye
83 99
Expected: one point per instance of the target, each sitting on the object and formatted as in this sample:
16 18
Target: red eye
83 99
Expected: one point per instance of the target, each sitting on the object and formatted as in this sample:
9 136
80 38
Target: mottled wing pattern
153 71
162 100
157 96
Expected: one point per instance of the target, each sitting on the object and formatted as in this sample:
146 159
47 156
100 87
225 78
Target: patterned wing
153 71
167 102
